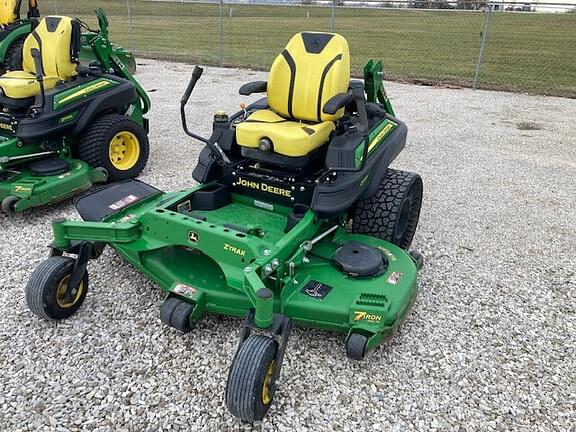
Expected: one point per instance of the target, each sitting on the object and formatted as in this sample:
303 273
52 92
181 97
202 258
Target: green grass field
526 51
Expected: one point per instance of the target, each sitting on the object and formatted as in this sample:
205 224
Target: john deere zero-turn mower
296 219
63 126
14 30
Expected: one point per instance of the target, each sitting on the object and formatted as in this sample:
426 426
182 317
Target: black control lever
196 74
213 145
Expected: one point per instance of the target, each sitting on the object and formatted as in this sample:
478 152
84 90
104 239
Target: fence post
333 16
130 29
221 32
485 32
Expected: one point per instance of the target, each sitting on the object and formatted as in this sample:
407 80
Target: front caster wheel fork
256 367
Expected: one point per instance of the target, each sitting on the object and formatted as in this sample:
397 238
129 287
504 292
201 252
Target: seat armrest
83 70
253 87
35 53
336 102
355 84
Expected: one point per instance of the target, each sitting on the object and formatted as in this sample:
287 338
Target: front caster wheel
47 293
251 385
356 346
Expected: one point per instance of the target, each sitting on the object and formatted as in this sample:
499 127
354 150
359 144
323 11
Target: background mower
297 219
14 30
65 126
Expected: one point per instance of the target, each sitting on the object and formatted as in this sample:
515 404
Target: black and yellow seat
8 11
57 40
312 69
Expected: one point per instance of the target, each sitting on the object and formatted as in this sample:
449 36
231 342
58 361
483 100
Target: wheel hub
67 299
403 219
266 396
124 150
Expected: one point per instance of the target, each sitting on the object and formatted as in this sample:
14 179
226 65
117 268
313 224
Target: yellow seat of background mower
7 11
55 34
290 138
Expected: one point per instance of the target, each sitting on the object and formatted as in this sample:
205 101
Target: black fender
46 125
335 198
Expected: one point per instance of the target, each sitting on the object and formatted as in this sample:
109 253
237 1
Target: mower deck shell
33 190
199 257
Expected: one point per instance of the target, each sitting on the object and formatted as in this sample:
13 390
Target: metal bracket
85 252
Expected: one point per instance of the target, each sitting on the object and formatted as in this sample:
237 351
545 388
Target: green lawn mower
297 219
65 126
14 30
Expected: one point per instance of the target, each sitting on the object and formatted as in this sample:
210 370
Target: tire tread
93 146
377 214
48 272
249 363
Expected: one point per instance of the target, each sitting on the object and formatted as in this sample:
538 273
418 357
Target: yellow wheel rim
124 150
61 292
267 382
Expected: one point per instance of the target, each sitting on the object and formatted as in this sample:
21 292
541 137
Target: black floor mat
104 201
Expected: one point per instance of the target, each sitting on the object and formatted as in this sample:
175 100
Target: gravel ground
490 344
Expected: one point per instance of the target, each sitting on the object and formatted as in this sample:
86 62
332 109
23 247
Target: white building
544 6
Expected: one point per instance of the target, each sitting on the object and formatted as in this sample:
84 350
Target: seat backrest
58 39
8 11
312 68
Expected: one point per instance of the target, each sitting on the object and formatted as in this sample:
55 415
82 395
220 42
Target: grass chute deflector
64 125
297 219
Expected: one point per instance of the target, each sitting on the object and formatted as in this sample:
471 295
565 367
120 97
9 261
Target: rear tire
47 285
116 143
392 212
250 389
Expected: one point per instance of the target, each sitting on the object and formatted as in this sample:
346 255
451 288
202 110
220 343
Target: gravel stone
489 346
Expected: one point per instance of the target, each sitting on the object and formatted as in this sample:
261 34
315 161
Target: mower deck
162 237
33 190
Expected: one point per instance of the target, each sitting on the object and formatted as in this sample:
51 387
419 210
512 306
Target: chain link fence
496 45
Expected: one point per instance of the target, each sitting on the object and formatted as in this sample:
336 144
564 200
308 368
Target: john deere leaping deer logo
193 236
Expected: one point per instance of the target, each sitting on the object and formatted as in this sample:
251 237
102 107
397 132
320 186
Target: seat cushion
289 138
22 84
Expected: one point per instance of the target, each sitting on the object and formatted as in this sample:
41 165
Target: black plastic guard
47 123
100 203
332 199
